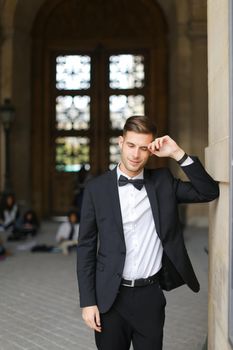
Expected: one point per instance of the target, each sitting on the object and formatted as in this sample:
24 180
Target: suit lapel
115 201
151 192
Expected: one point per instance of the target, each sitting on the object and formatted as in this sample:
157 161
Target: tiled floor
39 301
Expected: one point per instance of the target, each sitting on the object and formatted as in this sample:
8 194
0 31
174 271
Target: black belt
141 281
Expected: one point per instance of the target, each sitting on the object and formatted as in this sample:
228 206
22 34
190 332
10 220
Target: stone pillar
218 165
16 17
7 10
199 96
199 92
180 77
21 131
188 81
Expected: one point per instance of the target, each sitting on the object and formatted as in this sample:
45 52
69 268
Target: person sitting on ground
3 251
9 212
67 234
27 225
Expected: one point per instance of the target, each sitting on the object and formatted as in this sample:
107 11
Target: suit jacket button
119 275
122 253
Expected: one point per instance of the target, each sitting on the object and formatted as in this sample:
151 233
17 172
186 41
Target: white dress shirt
143 246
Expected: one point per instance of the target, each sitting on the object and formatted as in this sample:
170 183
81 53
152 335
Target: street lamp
7 113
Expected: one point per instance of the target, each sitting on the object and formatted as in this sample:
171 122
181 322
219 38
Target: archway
103 33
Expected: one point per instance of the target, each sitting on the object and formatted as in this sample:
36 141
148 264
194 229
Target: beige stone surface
219 272
217 161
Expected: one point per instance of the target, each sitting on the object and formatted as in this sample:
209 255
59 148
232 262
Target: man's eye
144 148
130 145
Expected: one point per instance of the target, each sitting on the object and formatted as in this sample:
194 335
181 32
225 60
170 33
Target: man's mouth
135 162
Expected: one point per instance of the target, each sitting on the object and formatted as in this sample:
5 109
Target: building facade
171 37
169 40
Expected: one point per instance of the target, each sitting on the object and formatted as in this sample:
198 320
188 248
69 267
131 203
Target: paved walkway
39 301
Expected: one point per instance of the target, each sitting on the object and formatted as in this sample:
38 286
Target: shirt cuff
187 161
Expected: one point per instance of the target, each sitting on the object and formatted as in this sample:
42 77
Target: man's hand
166 147
91 317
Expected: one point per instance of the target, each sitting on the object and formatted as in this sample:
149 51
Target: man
130 241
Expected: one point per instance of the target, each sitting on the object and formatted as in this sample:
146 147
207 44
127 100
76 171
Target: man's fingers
154 146
91 317
93 326
158 143
97 318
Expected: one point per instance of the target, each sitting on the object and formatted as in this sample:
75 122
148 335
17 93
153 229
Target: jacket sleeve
201 187
86 252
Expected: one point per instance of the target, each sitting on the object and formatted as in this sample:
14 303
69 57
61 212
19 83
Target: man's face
134 152
73 218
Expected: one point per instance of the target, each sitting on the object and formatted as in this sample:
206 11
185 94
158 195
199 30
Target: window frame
114 132
99 61
55 92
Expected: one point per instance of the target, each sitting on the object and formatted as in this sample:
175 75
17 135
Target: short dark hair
72 212
140 124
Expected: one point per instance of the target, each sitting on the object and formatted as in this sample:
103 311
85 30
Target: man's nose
136 153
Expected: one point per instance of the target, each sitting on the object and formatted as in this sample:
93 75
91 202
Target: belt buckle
132 283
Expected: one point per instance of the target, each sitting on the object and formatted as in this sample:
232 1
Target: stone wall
217 161
16 18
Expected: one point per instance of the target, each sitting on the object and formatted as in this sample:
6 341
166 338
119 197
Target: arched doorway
94 63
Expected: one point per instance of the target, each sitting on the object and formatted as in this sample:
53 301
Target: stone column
21 142
7 10
180 77
199 99
199 96
217 156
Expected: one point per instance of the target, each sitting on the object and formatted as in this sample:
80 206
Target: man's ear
120 141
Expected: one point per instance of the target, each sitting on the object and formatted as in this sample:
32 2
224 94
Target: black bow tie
138 183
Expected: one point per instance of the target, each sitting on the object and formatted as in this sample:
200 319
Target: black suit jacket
101 248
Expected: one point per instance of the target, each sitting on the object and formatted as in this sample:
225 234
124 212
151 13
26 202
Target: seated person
67 234
27 225
9 212
3 251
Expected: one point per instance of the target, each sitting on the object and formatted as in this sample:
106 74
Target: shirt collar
139 176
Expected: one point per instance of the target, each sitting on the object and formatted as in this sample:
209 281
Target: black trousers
137 316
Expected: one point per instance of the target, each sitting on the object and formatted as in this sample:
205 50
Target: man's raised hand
165 146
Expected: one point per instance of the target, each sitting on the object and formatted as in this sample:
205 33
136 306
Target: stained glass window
114 152
71 153
73 72
122 106
72 112
126 71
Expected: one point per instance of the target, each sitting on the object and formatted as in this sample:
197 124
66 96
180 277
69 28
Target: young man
130 241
